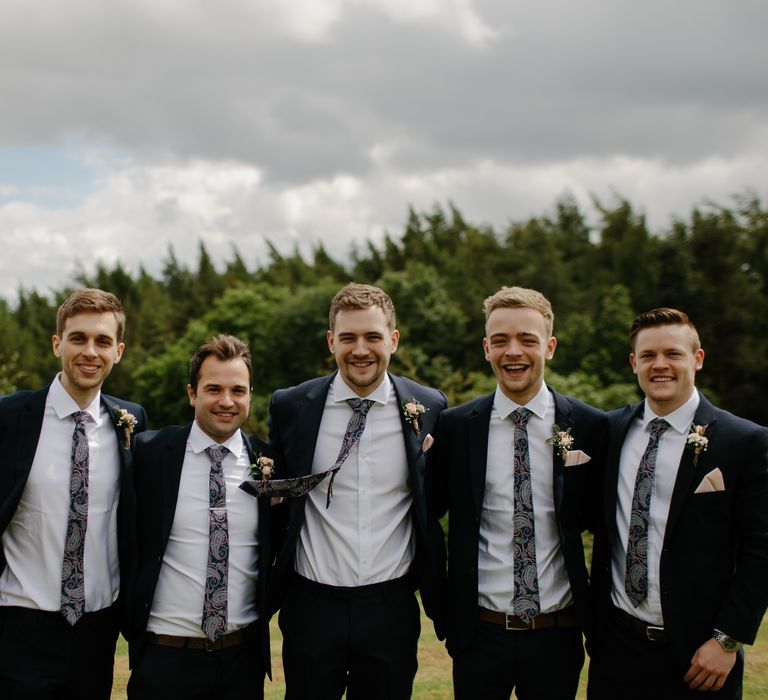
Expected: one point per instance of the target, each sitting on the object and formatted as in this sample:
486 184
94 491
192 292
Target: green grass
433 680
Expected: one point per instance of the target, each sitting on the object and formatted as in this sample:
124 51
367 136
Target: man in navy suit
514 470
350 560
199 627
66 503
680 570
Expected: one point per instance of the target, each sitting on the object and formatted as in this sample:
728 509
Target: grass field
433 680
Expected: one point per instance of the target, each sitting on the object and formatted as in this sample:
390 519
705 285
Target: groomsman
199 623
66 502
681 571
353 552
515 472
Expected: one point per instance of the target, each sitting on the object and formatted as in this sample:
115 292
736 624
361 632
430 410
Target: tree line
598 276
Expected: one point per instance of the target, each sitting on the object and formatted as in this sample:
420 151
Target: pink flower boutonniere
412 410
126 421
561 440
264 468
697 441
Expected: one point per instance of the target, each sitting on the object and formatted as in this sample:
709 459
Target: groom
351 559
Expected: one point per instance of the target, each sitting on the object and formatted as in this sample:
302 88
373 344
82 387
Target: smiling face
518 347
222 399
88 348
362 343
665 360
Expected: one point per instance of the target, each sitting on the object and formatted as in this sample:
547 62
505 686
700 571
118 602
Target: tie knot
81 417
658 426
217 453
360 406
520 417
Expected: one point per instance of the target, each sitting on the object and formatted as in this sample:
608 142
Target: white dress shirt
495 564
668 457
366 535
33 542
177 607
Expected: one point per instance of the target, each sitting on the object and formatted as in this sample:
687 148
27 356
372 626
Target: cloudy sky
131 125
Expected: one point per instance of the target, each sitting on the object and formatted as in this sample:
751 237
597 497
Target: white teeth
662 379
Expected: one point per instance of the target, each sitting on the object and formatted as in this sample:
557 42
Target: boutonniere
697 441
562 440
264 468
412 410
126 421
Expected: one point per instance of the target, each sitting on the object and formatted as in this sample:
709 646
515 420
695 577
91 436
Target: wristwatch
728 643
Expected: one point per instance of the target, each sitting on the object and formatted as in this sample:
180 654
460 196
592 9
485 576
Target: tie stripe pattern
72 575
636 574
352 435
214 620
526 601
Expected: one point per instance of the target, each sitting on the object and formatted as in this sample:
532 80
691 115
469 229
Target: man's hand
710 666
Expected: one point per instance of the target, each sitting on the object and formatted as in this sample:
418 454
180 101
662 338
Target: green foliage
438 271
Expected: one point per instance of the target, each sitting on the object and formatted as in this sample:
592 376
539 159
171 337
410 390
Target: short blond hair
520 297
356 296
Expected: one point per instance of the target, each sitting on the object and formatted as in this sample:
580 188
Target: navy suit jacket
158 462
21 420
295 415
456 484
714 559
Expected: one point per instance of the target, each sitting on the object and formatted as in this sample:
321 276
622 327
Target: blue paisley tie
72 575
214 622
636 575
526 598
355 428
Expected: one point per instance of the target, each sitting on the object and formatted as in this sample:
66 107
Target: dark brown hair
662 317
222 347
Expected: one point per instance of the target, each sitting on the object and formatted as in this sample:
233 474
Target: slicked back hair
222 347
521 298
662 316
90 301
355 296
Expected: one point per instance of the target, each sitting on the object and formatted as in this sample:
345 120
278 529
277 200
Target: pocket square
576 457
428 442
712 482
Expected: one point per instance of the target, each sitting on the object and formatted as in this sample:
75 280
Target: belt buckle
510 628
654 633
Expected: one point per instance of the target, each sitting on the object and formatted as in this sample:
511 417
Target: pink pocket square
712 482
576 457
428 441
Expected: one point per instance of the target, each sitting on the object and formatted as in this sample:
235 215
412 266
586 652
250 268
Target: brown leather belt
560 618
653 633
232 639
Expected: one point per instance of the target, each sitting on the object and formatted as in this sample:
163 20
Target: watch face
728 643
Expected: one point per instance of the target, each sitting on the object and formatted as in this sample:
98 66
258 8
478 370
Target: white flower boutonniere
412 410
697 441
562 440
264 468
126 421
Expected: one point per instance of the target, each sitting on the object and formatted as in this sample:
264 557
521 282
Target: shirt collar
342 392
538 405
64 405
680 419
199 441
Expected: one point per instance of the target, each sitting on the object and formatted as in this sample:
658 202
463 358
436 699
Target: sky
132 126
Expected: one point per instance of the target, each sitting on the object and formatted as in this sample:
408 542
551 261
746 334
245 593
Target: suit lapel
172 461
688 471
618 434
30 425
308 418
479 424
564 421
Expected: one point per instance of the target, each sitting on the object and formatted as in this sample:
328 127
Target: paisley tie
355 428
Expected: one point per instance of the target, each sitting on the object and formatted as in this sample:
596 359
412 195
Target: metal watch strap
725 641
